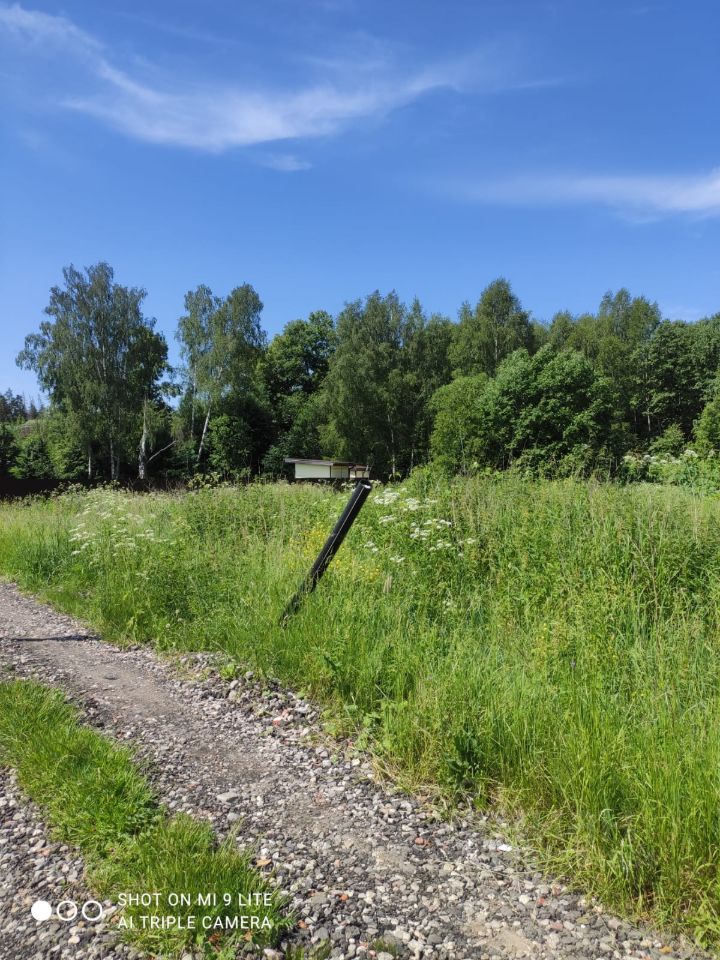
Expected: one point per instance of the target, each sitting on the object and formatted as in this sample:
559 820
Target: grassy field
96 798
551 647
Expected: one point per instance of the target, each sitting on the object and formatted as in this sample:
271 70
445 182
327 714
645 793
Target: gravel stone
369 870
34 866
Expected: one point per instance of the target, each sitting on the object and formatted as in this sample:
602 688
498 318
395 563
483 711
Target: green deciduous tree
614 340
707 353
669 387
100 357
567 415
457 410
389 361
238 435
491 331
363 404
707 427
293 369
221 342
548 412
424 367
630 319
297 360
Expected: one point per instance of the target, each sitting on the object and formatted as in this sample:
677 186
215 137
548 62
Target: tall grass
552 646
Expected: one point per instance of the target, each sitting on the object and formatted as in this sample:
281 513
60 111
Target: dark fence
11 487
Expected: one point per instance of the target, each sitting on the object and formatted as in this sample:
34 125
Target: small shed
327 469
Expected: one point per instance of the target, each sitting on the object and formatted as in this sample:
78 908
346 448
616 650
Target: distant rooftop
310 469
322 463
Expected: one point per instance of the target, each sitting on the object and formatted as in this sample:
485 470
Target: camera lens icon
67 910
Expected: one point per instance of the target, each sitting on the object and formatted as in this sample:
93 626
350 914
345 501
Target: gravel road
369 869
34 867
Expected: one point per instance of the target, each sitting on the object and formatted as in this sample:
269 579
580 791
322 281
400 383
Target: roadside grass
550 647
96 798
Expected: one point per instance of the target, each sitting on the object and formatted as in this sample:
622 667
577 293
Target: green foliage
548 645
707 427
293 369
364 386
237 435
8 448
613 340
229 447
387 364
458 423
670 443
222 343
96 799
13 408
628 319
492 331
701 475
671 392
99 357
706 337
561 329
64 440
33 458
545 413
297 360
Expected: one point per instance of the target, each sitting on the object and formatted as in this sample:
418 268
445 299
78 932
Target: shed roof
322 463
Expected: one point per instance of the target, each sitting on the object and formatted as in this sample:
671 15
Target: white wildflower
386 498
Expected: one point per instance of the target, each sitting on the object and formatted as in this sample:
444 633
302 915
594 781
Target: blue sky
320 149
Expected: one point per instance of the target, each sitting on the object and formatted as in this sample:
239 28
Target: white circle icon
66 913
95 914
41 910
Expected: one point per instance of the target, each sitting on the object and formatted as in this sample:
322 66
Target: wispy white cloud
216 118
636 196
36 27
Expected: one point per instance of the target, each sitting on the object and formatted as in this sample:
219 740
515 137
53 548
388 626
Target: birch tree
221 342
492 331
100 357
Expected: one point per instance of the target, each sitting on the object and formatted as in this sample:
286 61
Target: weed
553 643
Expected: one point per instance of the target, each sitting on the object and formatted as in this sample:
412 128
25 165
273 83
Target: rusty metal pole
332 544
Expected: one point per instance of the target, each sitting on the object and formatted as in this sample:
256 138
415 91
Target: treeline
15 407
383 382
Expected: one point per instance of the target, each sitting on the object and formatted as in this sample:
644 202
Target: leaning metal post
332 544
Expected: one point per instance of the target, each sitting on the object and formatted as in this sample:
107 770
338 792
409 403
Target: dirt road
369 869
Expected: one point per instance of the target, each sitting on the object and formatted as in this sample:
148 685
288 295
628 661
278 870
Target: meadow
548 649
